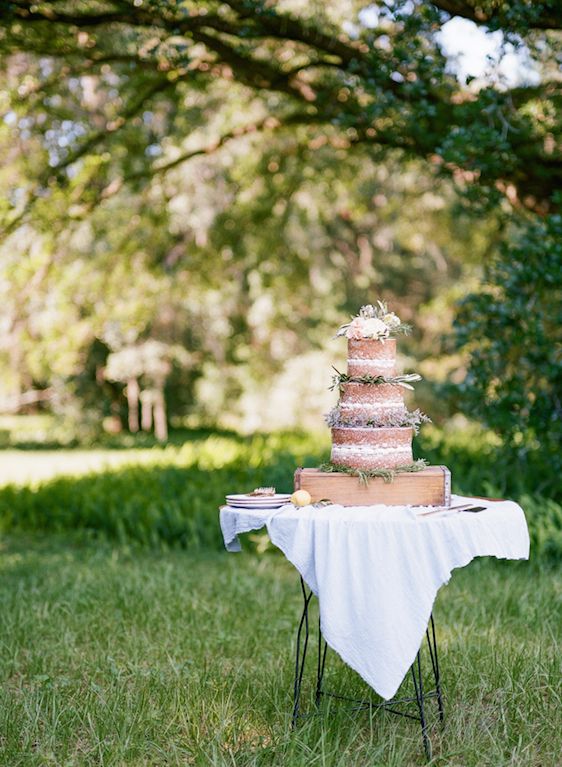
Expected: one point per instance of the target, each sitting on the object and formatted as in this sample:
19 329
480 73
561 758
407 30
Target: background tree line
194 194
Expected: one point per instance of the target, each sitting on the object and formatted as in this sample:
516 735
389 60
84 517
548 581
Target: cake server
441 509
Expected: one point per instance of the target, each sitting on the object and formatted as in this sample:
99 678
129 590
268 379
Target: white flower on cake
374 322
375 328
391 320
367 311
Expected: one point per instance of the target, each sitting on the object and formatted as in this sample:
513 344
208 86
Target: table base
420 695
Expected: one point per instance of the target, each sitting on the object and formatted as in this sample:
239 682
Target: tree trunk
160 421
14 403
146 410
133 392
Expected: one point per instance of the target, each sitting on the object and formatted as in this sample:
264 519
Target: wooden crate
429 487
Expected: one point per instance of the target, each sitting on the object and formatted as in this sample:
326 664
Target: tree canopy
118 75
216 175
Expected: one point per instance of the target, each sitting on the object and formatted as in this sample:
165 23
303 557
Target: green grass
111 656
157 495
127 637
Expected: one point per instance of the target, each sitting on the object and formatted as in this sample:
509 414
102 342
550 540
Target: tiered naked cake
372 430
371 427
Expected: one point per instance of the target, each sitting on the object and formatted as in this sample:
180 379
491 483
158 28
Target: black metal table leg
300 661
303 635
432 644
322 651
418 688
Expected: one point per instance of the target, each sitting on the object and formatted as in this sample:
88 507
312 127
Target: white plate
263 505
259 499
258 503
242 505
256 508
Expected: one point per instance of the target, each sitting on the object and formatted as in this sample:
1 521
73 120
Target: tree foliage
123 75
513 331
221 175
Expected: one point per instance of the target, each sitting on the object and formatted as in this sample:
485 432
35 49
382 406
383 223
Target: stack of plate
258 501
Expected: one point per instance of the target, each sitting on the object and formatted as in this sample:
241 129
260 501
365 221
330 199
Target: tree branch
539 15
253 72
131 15
360 96
130 111
285 26
267 123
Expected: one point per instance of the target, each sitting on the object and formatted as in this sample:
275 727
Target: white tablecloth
376 570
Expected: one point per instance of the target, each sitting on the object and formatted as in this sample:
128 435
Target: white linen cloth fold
376 570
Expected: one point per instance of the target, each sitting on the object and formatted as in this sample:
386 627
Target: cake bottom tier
372 447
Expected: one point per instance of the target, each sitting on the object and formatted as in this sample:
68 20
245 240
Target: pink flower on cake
373 321
355 329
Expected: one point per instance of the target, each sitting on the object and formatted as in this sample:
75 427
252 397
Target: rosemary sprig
404 380
409 418
364 475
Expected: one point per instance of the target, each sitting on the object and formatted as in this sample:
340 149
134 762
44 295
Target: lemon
301 498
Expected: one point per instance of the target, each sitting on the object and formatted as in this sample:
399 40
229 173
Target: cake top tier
373 322
371 348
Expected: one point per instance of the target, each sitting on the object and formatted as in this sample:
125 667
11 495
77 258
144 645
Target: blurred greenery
196 194
513 329
170 496
193 196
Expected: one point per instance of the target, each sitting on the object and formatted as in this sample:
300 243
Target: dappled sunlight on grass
33 467
160 496
168 495
204 450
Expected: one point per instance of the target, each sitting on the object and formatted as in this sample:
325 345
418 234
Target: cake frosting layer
369 401
366 356
371 447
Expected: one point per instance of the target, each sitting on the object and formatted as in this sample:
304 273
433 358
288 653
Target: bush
173 499
512 331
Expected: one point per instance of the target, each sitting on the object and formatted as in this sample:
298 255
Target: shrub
512 331
173 499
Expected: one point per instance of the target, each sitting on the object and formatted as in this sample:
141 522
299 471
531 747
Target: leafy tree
236 149
119 76
512 329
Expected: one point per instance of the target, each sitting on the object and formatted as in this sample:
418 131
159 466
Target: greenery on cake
411 418
404 380
365 475
374 322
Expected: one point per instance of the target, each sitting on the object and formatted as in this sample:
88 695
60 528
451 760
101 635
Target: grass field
129 637
112 656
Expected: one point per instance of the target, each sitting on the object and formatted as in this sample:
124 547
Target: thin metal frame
420 695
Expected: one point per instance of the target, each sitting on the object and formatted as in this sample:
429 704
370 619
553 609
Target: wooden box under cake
429 487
